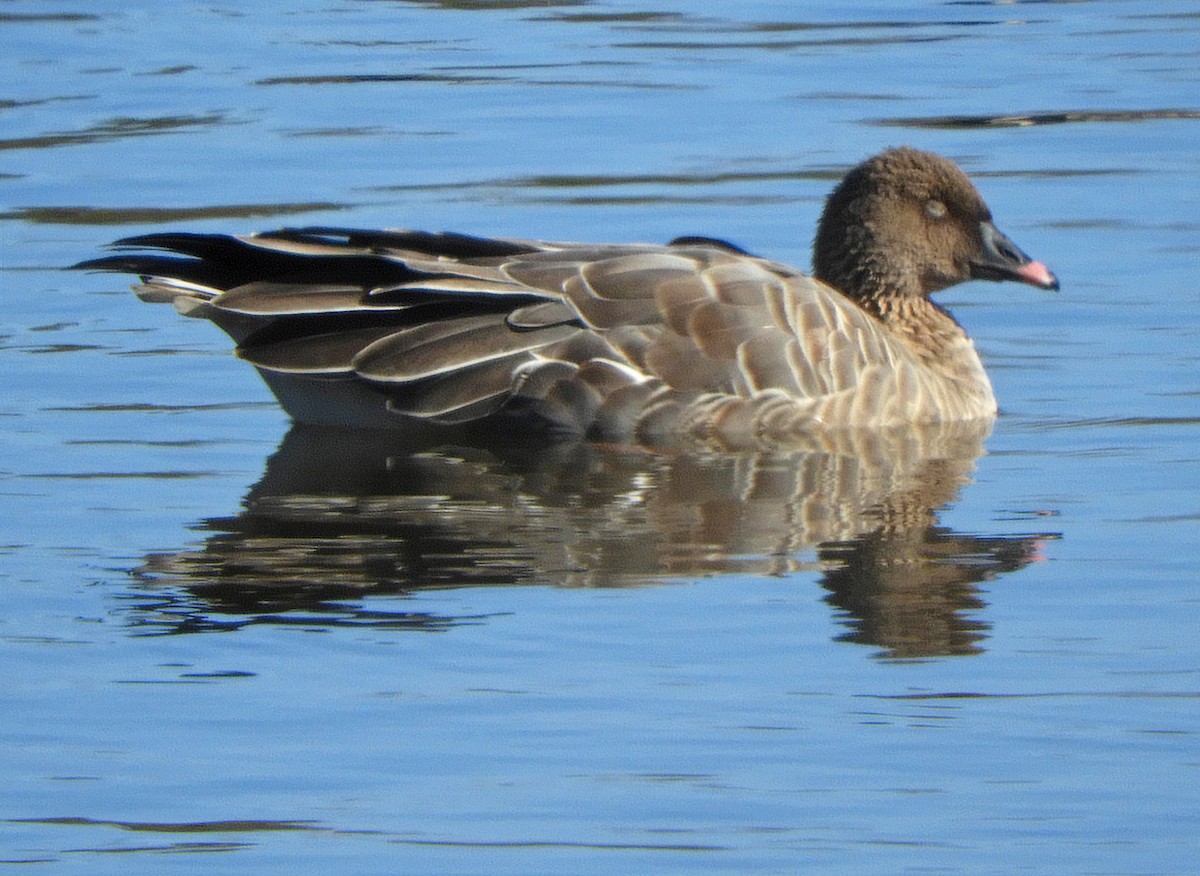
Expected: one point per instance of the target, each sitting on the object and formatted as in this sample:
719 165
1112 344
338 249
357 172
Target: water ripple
1020 120
116 129
80 215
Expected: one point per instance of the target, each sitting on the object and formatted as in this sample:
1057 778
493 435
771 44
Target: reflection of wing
335 518
384 329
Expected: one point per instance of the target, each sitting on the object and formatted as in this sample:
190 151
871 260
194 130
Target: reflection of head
912 592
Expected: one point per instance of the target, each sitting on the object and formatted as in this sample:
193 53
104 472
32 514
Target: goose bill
1001 259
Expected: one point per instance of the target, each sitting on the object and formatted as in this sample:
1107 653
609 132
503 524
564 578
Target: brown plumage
697 338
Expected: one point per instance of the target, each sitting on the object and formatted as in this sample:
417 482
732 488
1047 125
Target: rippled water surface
231 644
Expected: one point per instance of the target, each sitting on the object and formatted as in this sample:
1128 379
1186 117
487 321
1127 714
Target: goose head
908 223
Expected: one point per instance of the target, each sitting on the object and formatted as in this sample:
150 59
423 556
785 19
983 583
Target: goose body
392 329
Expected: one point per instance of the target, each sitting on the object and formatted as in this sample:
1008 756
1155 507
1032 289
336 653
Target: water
227 644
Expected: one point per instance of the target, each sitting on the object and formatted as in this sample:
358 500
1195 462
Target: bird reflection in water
339 516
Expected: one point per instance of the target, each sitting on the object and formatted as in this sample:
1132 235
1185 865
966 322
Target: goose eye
935 209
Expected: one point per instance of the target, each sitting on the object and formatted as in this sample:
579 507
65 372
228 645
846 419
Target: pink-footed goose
699 339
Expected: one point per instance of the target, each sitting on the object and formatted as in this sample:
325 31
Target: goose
696 338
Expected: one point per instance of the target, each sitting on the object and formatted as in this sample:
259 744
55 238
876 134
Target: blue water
229 645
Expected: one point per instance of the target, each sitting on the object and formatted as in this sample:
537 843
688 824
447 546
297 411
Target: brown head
908 223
